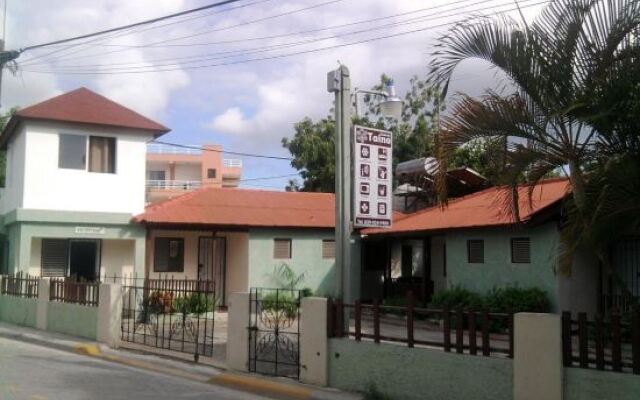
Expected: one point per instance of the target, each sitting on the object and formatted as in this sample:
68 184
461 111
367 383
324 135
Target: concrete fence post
109 314
537 362
42 305
238 332
313 342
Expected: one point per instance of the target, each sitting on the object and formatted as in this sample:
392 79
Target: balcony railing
172 185
157 148
232 163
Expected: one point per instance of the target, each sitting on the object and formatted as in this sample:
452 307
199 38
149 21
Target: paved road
30 372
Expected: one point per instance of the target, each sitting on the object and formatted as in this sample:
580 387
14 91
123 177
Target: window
102 154
521 250
168 255
73 151
328 248
475 251
55 257
211 173
281 248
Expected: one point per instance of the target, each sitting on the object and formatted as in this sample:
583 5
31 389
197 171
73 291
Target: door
212 264
83 259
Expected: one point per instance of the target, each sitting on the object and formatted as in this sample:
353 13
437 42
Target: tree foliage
575 71
414 136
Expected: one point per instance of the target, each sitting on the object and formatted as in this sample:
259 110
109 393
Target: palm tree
566 69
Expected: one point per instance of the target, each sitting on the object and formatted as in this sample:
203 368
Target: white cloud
231 121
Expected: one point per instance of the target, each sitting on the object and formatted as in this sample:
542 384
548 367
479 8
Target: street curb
262 386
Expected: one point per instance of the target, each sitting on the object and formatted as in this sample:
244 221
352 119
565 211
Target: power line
264 178
152 69
97 41
221 29
261 49
236 153
129 26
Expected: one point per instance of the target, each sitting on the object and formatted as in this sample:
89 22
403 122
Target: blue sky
249 106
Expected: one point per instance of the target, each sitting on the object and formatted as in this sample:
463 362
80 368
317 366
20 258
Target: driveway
31 372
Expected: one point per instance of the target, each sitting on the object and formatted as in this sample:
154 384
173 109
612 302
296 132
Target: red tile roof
85 107
244 208
479 209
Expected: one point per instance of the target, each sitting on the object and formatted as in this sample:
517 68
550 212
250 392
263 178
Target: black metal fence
274 332
171 314
19 285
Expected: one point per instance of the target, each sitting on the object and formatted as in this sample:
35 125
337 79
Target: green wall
306 257
18 310
73 319
497 269
585 384
418 374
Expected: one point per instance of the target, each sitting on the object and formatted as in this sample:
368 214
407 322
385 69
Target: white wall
188 172
12 194
51 188
117 257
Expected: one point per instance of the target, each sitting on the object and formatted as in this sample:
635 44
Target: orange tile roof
244 208
86 107
479 209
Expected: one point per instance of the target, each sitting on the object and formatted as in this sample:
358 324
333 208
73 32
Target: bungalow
475 244
240 237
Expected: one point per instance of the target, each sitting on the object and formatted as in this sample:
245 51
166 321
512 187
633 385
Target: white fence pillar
313 341
537 362
42 306
109 314
238 332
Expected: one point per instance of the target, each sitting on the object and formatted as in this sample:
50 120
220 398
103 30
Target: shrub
195 303
514 299
457 297
284 303
373 393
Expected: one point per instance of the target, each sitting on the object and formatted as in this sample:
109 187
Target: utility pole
347 261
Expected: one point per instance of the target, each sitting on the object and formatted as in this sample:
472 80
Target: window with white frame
73 150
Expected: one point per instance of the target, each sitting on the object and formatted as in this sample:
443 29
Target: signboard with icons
373 191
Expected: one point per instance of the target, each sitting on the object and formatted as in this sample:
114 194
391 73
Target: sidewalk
279 388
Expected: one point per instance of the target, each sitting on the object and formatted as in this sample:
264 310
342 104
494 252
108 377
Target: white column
313 341
237 332
109 314
537 362
42 306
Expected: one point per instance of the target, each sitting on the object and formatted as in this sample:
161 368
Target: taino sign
372 170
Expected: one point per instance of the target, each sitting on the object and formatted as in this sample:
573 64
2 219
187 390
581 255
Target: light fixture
392 105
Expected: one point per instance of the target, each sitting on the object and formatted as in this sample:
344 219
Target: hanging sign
372 173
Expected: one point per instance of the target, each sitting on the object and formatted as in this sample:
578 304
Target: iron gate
274 332
171 314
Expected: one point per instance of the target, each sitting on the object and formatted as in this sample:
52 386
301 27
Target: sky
226 96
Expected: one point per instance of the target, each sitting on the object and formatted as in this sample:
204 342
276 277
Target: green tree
572 73
313 150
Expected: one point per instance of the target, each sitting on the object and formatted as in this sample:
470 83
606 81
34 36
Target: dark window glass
211 173
72 152
168 255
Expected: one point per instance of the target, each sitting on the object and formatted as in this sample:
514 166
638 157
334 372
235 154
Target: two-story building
174 170
75 177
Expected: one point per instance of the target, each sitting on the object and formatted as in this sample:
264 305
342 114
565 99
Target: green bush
283 302
195 303
373 393
457 297
514 299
